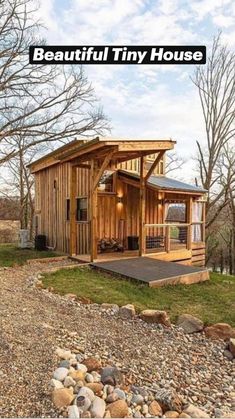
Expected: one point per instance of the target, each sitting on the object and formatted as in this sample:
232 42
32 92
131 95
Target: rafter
155 163
103 166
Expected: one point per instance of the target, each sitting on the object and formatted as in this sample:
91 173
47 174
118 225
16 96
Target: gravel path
34 322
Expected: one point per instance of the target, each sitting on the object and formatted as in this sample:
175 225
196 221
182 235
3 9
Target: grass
213 301
11 255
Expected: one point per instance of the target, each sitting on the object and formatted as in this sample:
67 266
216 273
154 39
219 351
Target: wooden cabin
108 198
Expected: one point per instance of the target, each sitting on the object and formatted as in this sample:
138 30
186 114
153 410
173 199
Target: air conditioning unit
24 239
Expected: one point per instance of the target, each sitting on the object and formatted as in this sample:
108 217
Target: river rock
168 400
83 403
86 392
73 412
195 412
62 397
55 384
60 373
111 375
155 408
156 316
189 323
77 375
220 331
96 388
137 399
92 364
171 414
97 408
231 346
120 393
63 354
111 398
108 306
69 382
65 363
81 367
118 409
127 311
89 378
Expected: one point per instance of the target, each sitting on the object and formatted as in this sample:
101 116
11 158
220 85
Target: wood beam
81 166
142 204
189 210
103 166
93 212
154 165
73 236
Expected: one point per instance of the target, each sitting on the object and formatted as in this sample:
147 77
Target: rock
155 408
64 364
228 354
97 408
108 306
96 376
83 403
96 388
73 412
156 316
118 409
231 346
184 415
111 375
220 331
63 354
86 392
71 296
137 399
195 412
111 398
171 414
127 311
81 367
89 378
92 364
55 384
60 373
168 400
145 409
62 397
69 382
189 323
77 375
78 386
120 393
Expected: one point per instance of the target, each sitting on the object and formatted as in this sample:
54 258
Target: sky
145 101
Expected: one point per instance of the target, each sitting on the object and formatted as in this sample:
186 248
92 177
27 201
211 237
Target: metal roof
163 182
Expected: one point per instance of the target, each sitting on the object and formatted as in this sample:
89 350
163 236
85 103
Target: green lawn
11 255
213 301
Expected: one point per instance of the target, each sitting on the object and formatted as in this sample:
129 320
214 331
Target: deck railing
172 236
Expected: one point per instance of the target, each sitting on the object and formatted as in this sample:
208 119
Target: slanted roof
165 183
98 148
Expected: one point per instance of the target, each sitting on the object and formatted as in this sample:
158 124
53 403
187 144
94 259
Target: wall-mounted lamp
120 200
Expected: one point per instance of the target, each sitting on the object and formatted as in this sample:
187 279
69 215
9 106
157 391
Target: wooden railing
172 236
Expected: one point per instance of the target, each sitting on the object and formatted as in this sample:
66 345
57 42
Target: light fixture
120 200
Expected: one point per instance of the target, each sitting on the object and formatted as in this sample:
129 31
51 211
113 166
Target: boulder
231 346
189 323
220 331
92 364
195 412
155 408
112 376
168 400
127 311
118 409
62 397
156 316
97 408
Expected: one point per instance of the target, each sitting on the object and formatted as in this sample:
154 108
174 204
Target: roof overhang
122 150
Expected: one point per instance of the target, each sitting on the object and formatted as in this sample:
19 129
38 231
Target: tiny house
111 198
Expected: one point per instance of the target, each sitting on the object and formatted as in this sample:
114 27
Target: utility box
24 239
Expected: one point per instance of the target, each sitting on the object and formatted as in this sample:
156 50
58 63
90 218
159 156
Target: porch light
120 200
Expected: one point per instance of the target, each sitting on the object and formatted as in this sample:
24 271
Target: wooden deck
154 272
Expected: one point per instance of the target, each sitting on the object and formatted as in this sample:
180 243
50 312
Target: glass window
82 213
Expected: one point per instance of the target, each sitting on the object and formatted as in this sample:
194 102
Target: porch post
73 211
93 213
189 221
142 208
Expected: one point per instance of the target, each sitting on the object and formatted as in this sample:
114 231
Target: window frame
78 198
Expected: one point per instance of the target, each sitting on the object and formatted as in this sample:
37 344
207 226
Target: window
106 183
82 213
67 209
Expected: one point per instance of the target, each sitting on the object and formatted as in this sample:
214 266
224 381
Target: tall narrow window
82 213
67 209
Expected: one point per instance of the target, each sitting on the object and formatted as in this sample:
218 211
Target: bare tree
41 103
173 162
216 87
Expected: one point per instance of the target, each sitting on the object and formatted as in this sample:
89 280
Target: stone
168 400
86 392
120 393
62 397
108 306
60 373
92 364
71 296
127 311
96 376
184 415
190 324
171 414
55 384
231 346
77 375
111 398
63 354
81 367
220 331
111 375
156 316
97 408
89 378
155 408
228 354
195 412
69 382
118 409
137 399
64 364
96 388
83 403
73 412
